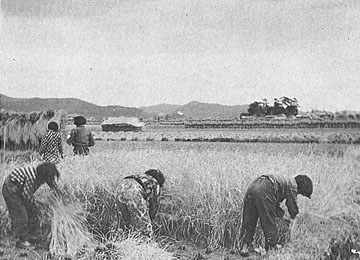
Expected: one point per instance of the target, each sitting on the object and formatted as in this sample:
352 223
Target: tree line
281 106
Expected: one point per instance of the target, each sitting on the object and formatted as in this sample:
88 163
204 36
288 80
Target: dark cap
305 185
79 120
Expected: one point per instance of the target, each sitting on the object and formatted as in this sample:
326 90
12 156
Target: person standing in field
138 201
51 149
262 200
18 192
80 137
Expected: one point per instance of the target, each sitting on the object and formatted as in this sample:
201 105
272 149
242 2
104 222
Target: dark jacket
285 188
81 138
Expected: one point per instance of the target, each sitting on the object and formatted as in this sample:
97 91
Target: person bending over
138 201
18 192
262 201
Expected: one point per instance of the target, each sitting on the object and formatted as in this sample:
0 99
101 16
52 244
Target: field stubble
308 135
205 185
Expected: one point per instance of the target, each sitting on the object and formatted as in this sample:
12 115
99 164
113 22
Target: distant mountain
204 110
74 106
161 109
194 110
70 105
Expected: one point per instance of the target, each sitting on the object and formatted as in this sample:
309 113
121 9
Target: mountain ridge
73 106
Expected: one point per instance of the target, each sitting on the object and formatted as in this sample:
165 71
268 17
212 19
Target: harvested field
338 136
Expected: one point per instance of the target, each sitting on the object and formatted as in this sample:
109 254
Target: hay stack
23 131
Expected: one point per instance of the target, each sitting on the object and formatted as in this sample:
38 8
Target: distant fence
256 123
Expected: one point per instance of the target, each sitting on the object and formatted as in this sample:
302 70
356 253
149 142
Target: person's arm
60 147
153 207
55 188
91 139
291 202
139 215
71 138
27 194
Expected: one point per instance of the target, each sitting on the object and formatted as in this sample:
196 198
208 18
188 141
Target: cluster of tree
283 105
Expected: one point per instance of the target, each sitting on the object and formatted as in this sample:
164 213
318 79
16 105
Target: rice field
202 198
338 136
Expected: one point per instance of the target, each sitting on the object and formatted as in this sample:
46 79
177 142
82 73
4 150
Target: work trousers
260 203
24 216
81 150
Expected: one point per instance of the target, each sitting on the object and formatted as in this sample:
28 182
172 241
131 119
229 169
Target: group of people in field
51 149
138 196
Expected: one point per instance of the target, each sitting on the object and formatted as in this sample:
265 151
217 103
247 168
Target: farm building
116 124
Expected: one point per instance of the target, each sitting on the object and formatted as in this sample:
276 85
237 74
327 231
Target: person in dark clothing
51 149
80 137
18 192
262 200
138 201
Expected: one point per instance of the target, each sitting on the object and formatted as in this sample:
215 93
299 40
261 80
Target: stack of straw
69 234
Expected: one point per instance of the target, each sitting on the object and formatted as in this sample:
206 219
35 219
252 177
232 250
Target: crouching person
138 201
262 200
18 191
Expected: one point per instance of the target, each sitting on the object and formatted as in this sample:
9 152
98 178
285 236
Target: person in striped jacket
18 191
262 201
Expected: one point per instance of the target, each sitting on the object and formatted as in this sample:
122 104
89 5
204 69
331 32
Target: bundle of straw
69 233
130 247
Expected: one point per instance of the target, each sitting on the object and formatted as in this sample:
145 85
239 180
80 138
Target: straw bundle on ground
132 247
69 234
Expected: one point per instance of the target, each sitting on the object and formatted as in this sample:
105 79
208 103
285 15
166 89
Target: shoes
24 245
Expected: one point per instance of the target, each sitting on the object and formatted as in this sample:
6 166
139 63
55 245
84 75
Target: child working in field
80 137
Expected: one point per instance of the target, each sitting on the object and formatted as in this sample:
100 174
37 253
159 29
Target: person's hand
288 221
279 212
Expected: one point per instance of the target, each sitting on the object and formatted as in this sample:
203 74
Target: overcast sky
146 52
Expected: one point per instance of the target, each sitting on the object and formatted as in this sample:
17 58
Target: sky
147 52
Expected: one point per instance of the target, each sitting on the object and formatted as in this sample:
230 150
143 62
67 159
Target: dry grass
202 200
68 232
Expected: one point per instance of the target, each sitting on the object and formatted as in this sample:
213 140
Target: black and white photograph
180 129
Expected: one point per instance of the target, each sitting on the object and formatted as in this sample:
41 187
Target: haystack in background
24 131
